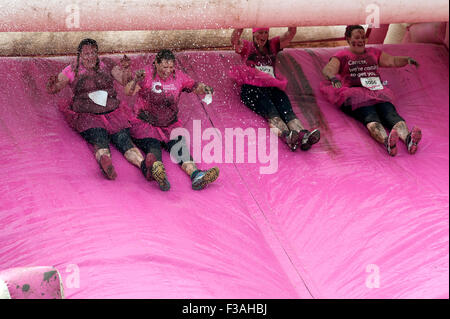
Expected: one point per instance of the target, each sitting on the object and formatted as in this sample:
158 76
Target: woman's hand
139 75
202 88
51 84
413 62
125 62
336 82
208 89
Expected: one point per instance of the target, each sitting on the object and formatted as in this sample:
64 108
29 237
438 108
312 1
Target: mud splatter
305 99
48 275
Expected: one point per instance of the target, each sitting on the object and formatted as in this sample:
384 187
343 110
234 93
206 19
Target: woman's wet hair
163 54
84 42
349 29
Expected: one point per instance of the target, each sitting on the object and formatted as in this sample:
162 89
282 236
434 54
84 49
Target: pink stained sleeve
187 83
341 57
275 44
69 73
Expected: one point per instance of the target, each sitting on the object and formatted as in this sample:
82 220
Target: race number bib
99 97
373 83
266 69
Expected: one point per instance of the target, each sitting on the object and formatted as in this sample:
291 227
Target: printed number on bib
266 69
373 83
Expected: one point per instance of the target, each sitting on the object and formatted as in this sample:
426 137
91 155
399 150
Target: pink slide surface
343 220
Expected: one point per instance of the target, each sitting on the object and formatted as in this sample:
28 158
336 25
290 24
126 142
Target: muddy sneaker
308 139
107 167
413 139
291 138
148 162
202 178
158 173
391 143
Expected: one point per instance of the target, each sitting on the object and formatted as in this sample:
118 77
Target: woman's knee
122 140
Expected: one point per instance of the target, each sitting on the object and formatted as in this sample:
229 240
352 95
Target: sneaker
309 139
107 167
391 143
158 173
204 178
413 139
292 139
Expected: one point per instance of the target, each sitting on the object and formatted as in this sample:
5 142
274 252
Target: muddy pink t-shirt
159 98
69 70
252 57
355 66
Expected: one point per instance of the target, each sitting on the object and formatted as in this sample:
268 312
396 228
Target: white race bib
373 83
266 69
99 97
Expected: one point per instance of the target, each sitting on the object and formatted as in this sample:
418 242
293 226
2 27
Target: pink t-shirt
251 55
354 66
159 98
69 70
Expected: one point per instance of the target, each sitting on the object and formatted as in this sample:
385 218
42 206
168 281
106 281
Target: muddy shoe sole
414 138
159 175
391 145
209 176
107 168
310 139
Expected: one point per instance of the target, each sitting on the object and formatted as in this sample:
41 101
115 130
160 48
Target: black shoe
291 138
309 139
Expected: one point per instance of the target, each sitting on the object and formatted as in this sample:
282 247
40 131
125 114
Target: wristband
334 79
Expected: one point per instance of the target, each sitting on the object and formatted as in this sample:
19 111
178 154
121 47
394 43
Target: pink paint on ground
318 228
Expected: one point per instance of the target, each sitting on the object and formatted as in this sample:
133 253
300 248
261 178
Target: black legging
268 102
100 138
384 113
154 146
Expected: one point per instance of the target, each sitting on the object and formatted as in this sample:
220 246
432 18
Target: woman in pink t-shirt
159 87
355 86
95 111
262 90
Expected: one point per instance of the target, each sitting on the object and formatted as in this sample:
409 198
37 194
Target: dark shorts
384 113
268 102
100 138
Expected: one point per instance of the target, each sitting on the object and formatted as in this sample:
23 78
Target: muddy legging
268 102
178 148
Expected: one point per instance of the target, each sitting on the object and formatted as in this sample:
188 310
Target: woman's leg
99 139
259 100
392 119
179 152
284 108
369 117
152 167
123 142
